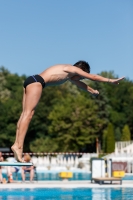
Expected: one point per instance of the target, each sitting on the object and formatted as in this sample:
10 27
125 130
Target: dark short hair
83 65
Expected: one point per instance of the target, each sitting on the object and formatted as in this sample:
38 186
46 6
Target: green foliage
66 118
10 106
42 144
117 134
110 140
104 140
103 104
4 92
126 135
74 123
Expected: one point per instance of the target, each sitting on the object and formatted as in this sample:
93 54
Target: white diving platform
15 164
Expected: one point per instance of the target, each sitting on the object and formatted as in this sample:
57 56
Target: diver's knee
28 115
33 111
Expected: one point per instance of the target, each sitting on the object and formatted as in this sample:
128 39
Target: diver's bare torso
55 75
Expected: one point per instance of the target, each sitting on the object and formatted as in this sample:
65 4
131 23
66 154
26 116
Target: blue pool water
67 194
76 177
55 176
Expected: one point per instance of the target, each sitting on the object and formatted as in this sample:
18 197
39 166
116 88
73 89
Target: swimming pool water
55 176
67 194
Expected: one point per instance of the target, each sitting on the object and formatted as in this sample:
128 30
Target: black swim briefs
33 79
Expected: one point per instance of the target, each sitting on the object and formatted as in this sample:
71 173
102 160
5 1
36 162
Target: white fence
64 161
60 161
124 147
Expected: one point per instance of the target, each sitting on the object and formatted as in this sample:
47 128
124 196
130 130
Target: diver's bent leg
32 97
17 148
18 123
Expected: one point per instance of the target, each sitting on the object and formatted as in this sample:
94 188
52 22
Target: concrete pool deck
65 184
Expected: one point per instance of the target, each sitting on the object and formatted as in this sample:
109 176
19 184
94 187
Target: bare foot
17 153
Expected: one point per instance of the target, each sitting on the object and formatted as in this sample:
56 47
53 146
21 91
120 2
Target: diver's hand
115 81
95 93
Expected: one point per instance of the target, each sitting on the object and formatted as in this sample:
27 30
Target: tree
74 123
117 134
104 141
4 92
126 135
43 144
110 141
